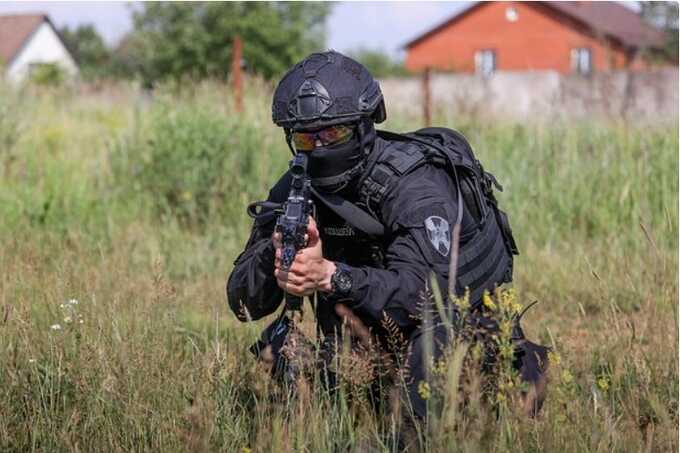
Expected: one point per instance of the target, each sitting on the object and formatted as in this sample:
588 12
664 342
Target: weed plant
133 205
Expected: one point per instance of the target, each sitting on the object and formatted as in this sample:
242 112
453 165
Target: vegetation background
122 210
133 206
176 40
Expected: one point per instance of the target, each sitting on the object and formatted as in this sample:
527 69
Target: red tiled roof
14 30
443 24
613 19
609 18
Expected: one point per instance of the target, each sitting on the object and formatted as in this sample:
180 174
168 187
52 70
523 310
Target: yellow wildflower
554 358
516 307
567 377
507 351
488 302
440 367
603 383
424 390
506 327
506 298
465 302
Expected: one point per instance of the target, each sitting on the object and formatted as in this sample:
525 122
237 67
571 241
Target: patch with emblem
439 233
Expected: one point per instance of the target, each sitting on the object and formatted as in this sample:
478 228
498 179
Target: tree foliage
379 63
47 74
88 49
664 15
172 40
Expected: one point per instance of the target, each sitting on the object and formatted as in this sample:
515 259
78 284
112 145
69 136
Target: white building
27 41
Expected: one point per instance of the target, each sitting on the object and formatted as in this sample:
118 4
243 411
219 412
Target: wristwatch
341 281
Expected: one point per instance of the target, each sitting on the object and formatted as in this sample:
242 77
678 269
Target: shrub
47 74
190 162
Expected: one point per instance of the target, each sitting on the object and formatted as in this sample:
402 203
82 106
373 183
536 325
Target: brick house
568 37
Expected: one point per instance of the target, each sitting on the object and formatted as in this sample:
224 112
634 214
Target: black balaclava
333 168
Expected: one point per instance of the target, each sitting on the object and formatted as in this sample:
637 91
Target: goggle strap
360 136
289 140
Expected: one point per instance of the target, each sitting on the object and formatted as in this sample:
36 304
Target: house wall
44 46
540 39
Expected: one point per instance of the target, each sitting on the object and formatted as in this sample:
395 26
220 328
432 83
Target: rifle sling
353 214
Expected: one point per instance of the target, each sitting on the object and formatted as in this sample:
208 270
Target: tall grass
135 207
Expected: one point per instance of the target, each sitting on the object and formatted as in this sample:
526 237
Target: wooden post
427 98
236 73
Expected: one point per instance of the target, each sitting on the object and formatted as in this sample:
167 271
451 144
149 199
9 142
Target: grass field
121 215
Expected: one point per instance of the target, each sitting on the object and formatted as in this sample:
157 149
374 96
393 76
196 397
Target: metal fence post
236 73
427 98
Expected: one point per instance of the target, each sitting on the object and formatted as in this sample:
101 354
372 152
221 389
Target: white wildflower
72 302
67 320
55 327
31 360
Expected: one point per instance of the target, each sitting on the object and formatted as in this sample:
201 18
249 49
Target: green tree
128 58
664 15
88 49
379 63
174 39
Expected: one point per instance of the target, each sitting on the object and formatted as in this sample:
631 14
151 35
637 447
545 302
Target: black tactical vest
485 255
486 252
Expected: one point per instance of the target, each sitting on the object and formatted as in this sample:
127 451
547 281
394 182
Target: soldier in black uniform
386 207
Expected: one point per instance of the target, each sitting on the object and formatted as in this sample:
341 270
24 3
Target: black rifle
292 223
293 218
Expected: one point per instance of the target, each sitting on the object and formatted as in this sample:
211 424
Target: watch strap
341 270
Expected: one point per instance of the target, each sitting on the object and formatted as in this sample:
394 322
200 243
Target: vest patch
439 234
344 230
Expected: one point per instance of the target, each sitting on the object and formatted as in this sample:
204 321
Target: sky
376 25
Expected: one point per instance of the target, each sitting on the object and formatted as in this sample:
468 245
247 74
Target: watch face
343 282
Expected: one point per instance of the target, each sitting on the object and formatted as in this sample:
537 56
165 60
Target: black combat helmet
323 91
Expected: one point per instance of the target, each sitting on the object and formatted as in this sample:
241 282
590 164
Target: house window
485 62
511 14
582 61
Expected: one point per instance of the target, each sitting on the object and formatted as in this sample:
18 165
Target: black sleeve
420 213
252 291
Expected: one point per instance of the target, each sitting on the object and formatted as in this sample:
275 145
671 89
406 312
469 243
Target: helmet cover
325 89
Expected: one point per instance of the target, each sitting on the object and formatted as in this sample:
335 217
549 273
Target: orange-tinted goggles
333 135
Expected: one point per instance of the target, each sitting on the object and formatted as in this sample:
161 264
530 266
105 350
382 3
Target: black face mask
329 165
333 167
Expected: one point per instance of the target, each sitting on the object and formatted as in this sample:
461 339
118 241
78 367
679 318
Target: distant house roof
456 17
609 18
15 31
613 19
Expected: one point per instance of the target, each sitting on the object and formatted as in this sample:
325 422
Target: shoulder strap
353 214
401 137
388 135
455 233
